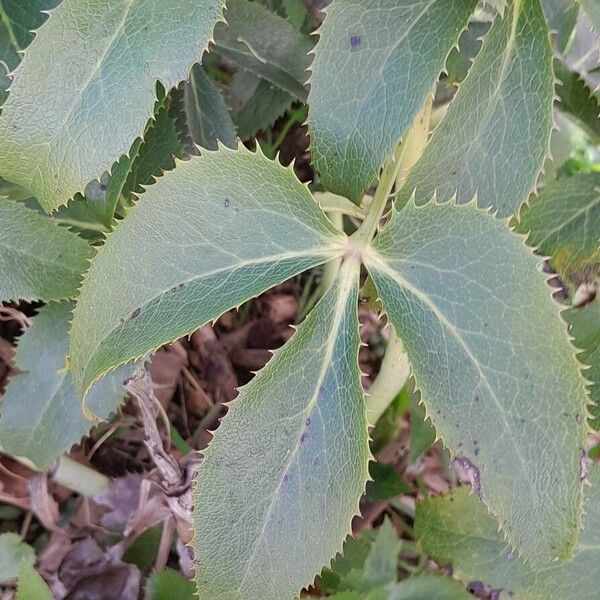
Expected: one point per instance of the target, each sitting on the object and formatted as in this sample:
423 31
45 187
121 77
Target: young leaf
40 414
259 41
457 529
218 230
207 115
499 381
584 326
30 584
72 108
288 465
375 62
495 136
39 260
563 222
18 20
12 552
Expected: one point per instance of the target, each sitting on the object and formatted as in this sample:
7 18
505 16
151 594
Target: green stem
395 367
391 378
73 475
367 230
331 268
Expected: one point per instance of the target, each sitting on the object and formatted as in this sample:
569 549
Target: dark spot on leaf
578 418
316 461
226 203
471 472
583 463
135 313
103 187
355 42
286 477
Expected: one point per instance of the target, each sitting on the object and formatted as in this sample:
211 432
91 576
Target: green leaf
18 20
218 230
563 222
40 414
38 259
386 482
422 587
207 115
500 382
259 41
293 445
578 100
12 552
456 528
168 584
336 577
506 100
86 87
256 103
375 63
381 564
30 584
584 326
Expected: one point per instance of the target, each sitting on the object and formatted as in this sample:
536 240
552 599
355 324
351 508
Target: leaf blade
40 260
500 154
41 415
563 222
323 422
223 215
74 74
370 56
462 277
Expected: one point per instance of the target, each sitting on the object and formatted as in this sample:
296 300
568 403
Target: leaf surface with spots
375 62
218 230
293 442
500 382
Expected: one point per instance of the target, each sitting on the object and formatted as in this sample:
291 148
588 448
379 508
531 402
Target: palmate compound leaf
457 529
38 259
495 136
493 363
375 62
218 230
86 87
563 222
279 484
40 413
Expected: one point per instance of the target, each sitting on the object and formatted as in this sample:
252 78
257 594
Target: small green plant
152 256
